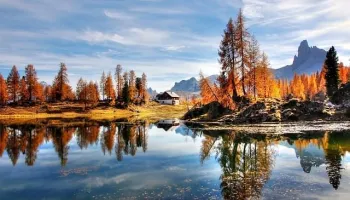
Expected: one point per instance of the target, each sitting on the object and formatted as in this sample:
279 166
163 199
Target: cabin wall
169 102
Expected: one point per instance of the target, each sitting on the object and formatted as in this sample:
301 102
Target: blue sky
169 40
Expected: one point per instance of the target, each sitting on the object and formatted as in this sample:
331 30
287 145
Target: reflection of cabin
167 124
170 98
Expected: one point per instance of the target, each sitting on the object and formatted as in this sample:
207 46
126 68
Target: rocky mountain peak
303 53
304 46
308 60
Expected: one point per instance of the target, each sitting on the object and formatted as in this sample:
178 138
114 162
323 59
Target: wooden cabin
169 98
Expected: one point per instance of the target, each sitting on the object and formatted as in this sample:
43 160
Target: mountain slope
308 61
152 92
191 85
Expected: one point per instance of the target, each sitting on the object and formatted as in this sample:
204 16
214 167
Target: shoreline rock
274 110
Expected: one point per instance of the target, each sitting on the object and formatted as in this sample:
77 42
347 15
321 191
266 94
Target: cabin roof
173 94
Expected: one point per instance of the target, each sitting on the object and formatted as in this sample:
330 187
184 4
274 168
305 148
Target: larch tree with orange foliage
47 93
228 55
31 81
144 92
3 91
343 73
298 87
264 78
93 93
109 88
207 90
119 80
253 60
13 81
39 92
87 92
273 89
132 85
61 88
242 40
23 92
312 90
81 93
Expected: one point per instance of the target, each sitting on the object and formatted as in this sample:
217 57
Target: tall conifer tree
332 71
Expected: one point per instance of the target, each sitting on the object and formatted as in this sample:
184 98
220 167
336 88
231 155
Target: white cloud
118 15
184 40
96 36
174 48
133 36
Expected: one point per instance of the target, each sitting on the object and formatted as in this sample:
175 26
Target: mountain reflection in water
246 161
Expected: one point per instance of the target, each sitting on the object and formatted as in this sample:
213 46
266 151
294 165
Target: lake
122 160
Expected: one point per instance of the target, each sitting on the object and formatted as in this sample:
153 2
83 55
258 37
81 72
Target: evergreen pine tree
332 72
126 94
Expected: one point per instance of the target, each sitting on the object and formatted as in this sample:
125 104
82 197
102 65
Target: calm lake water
115 160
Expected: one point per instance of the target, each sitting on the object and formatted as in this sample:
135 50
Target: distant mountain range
309 60
152 92
190 85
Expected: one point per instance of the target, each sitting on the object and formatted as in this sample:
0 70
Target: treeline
314 86
17 90
245 72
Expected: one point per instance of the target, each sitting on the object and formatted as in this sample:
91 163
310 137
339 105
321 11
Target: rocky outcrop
342 96
307 110
262 111
210 111
276 111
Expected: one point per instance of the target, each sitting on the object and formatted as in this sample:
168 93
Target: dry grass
155 111
152 112
32 113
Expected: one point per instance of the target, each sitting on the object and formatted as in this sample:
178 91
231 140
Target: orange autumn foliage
3 92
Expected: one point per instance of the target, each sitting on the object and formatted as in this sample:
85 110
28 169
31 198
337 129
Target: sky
169 40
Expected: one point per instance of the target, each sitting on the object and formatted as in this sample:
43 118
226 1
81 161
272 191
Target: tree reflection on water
246 163
246 160
124 139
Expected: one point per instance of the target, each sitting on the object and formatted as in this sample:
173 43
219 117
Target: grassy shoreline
152 111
